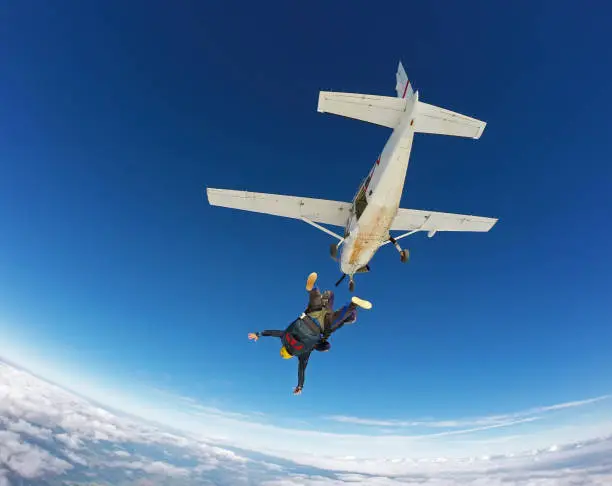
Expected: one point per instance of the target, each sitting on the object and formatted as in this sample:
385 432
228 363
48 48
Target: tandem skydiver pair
312 329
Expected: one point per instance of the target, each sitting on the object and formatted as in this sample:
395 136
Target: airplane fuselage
378 198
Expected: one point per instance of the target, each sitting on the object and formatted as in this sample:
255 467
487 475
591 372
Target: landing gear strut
351 282
404 254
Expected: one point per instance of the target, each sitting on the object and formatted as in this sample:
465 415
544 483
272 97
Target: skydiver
312 329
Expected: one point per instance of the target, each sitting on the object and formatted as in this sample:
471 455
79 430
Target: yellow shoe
364 304
312 278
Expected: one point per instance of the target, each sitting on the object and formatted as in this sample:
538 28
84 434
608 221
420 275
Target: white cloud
3 479
373 422
70 441
490 425
22 427
576 403
154 467
27 460
194 407
74 458
271 466
469 422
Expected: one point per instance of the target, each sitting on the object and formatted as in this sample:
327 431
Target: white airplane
374 211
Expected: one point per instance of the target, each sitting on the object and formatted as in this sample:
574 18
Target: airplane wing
416 220
318 210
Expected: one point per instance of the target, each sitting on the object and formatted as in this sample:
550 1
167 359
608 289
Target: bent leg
316 309
315 301
320 307
347 314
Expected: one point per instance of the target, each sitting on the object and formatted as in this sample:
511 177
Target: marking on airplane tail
406 87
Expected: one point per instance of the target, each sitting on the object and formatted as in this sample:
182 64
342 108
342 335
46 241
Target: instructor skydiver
311 330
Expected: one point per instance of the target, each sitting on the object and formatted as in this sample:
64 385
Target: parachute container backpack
301 336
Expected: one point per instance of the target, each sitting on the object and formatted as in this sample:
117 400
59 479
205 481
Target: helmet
284 353
323 346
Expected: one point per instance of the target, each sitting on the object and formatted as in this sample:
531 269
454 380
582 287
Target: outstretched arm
274 333
303 362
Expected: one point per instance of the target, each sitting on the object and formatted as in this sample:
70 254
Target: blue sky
114 271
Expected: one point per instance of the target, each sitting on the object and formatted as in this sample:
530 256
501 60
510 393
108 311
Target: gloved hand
253 336
297 390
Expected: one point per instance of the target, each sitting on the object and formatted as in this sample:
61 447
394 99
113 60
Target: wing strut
322 228
401 236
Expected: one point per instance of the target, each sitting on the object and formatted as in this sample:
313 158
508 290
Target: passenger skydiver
312 329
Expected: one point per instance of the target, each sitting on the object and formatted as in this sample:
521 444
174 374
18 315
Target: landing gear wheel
404 254
352 286
333 251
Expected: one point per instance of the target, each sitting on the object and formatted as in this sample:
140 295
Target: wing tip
211 194
491 223
481 130
320 107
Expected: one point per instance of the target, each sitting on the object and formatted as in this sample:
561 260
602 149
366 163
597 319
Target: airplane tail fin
402 83
389 111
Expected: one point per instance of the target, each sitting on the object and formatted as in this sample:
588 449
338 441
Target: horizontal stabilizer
439 121
414 219
380 110
318 210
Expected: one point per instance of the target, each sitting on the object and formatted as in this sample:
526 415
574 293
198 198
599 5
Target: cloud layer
49 435
382 446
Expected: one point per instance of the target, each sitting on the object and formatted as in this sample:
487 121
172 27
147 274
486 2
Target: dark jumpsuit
320 308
